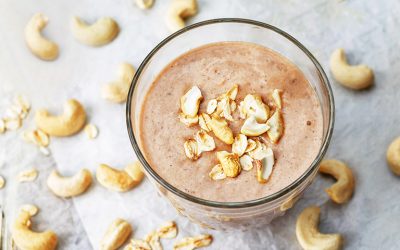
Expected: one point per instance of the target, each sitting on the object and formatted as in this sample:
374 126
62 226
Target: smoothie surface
215 68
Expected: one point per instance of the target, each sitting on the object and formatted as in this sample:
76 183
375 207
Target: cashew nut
39 45
116 234
120 180
70 122
308 235
178 11
69 186
117 91
144 4
26 239
342 190
103 31
393 156
352 76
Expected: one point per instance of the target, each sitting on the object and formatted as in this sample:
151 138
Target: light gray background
366 121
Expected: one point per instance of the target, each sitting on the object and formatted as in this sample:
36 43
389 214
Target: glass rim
241 204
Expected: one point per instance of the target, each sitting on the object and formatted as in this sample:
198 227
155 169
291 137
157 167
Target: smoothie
215 69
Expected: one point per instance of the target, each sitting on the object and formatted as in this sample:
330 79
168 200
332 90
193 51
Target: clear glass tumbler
229 215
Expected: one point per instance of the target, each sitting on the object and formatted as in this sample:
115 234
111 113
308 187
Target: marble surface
366 121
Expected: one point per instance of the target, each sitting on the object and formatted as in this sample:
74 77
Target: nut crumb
28 175
91 131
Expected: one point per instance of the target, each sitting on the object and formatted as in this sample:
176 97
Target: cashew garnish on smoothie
257 122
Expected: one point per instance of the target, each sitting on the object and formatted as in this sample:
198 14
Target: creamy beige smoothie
215 68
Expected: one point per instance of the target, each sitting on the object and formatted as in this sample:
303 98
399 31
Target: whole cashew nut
103 31
119 180
26 239
69 186
70 122
354 77
39 45
308 235
342 190
178 11
393 156
117 91
116 234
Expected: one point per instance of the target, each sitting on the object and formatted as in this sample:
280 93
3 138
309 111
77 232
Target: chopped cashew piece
70 122
342 190
23 103
144 4
2 182
217 173
117 90
103 31
260 151
276 95
232 93
91 131
251 145
37 137
242 111
116 234
191 243
308 235
119 180
13 113
230 163
254 106
25 238
233 106
28 175
221 129
39 45
45 151
265 166
12 123
32 210
352 76
204 120
246 162
224 109
137 244
69 186
275 123
168 231
212 106
2 126
190 102
191 149
252 128
188 121
154 240
178 11
239 145
40 138
205 142
393 156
